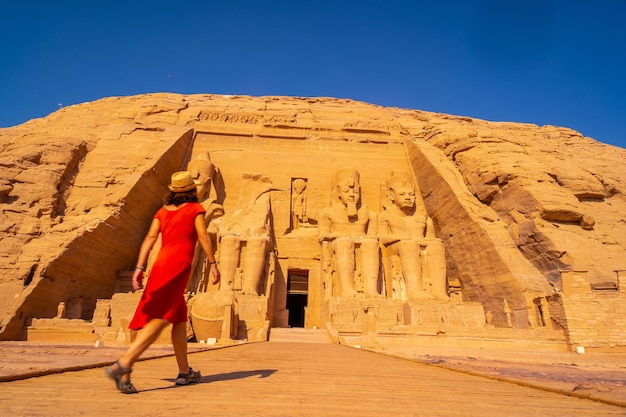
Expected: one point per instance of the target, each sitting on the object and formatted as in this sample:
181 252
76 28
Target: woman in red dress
181 224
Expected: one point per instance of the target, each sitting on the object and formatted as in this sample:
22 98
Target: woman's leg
144 339
179 342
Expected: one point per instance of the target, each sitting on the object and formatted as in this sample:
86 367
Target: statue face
201 188
204 177
404 197
202 170
348 192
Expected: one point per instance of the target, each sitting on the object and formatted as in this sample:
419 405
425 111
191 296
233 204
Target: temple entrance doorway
297 296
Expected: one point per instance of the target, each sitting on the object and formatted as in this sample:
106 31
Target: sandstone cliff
515 204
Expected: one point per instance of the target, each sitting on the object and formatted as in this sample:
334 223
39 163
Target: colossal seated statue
347 231
245 237
202 170
407 235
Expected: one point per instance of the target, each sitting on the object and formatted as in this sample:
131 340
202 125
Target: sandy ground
20 360
600 377
295 378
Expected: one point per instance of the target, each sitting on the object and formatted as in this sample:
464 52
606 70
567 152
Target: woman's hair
180 198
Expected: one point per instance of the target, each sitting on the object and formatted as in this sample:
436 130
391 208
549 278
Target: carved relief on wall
369 126
299 201
228 117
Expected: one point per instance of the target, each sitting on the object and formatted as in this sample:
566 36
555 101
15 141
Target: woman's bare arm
144 251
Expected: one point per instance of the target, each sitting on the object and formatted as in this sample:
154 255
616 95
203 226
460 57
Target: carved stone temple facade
377 225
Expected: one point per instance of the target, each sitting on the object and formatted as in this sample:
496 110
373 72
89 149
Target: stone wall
595 315
98 233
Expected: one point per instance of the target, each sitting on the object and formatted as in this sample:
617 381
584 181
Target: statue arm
388 240
429 233
384 231
372 225
383 235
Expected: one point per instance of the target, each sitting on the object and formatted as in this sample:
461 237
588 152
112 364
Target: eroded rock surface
515 205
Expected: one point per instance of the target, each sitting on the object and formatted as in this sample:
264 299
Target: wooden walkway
289 379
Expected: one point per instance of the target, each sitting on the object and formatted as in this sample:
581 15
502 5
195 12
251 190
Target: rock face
531 219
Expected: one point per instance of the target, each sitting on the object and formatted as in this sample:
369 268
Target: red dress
163 297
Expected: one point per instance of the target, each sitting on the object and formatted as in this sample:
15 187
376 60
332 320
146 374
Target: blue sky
551 62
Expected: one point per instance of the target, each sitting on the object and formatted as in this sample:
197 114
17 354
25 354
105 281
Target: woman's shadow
261 373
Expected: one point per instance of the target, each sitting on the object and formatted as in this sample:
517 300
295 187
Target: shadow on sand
261 373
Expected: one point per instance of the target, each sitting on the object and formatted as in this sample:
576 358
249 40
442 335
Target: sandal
126 387
190 377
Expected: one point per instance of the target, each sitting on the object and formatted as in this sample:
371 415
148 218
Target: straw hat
182 181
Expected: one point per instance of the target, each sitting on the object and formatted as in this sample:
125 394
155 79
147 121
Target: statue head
299 185
400 191
202 170
347 189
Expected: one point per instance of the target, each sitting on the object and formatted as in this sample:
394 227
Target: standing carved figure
348 229
298 203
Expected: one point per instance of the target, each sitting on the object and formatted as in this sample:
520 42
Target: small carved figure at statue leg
370 267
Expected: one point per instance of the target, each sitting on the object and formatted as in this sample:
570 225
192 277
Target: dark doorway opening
297 296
